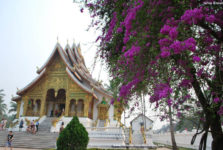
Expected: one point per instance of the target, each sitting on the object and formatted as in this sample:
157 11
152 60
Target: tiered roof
75 68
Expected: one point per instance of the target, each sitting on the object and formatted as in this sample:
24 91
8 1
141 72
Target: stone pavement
2 148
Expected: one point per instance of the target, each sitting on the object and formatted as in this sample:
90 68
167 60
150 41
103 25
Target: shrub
73 137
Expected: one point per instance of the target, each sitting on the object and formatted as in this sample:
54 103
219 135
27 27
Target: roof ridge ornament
57 39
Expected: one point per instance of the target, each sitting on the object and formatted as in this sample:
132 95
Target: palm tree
13 107
3 106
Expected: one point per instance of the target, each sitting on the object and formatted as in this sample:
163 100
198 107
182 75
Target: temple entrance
55 103
62 107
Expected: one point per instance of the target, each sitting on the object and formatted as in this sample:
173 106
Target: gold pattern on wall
55 78
103 111
25 106
18 108
118 109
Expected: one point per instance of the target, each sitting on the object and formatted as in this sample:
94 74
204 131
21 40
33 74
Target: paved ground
2 148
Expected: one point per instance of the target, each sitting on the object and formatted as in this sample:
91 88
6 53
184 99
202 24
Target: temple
64 87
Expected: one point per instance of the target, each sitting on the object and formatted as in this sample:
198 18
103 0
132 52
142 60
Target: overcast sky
28 34
29 30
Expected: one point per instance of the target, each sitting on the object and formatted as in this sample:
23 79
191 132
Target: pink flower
132 51
216 99
111 27
199 73
220 111
190 44
210 18
196 59
119 30
173 33
192 16
165 52
185 83
169 102
164 42
148 44
112 101
165 29
82 10
177 47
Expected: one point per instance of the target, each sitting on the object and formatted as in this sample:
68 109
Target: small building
141 120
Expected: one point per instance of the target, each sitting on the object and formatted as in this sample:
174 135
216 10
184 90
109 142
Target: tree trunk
216 132
174 144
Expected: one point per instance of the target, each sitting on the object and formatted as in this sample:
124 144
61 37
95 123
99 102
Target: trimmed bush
73 137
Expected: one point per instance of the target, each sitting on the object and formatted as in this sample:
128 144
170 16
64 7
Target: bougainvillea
164 48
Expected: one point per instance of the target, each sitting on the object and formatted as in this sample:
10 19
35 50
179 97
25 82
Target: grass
168 146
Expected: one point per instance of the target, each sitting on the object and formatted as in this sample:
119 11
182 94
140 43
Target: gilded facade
65 87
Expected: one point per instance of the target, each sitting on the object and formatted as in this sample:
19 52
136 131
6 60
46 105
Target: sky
28 33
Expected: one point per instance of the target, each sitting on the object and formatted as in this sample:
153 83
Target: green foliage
3 106
73 137
189 123
13 107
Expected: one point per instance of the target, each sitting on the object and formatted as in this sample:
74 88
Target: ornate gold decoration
107 121
130 135
56 120
14 124
55 78
143 134
27 121
103 111
18 108
25 106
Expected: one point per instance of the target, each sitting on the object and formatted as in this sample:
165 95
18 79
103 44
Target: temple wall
56 78
21 108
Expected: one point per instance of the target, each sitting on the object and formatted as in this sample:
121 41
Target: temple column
43 103
35 107
18 109
86 105
67 104
25 106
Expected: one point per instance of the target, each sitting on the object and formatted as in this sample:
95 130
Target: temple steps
40 140
46 124
126 132
101 123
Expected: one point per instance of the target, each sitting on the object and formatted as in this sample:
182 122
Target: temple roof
75 68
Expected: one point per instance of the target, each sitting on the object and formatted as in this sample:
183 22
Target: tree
144 41
73 137
13 107
3 106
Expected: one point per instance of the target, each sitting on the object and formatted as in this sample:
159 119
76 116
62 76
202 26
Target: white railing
182 139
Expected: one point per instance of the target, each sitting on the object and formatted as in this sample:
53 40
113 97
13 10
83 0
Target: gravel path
2 148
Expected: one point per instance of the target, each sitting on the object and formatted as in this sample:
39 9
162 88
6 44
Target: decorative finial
57 39
67 41
73 41
17 88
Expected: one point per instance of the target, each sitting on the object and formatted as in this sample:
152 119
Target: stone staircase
101 123
126 132
45 126
40 140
